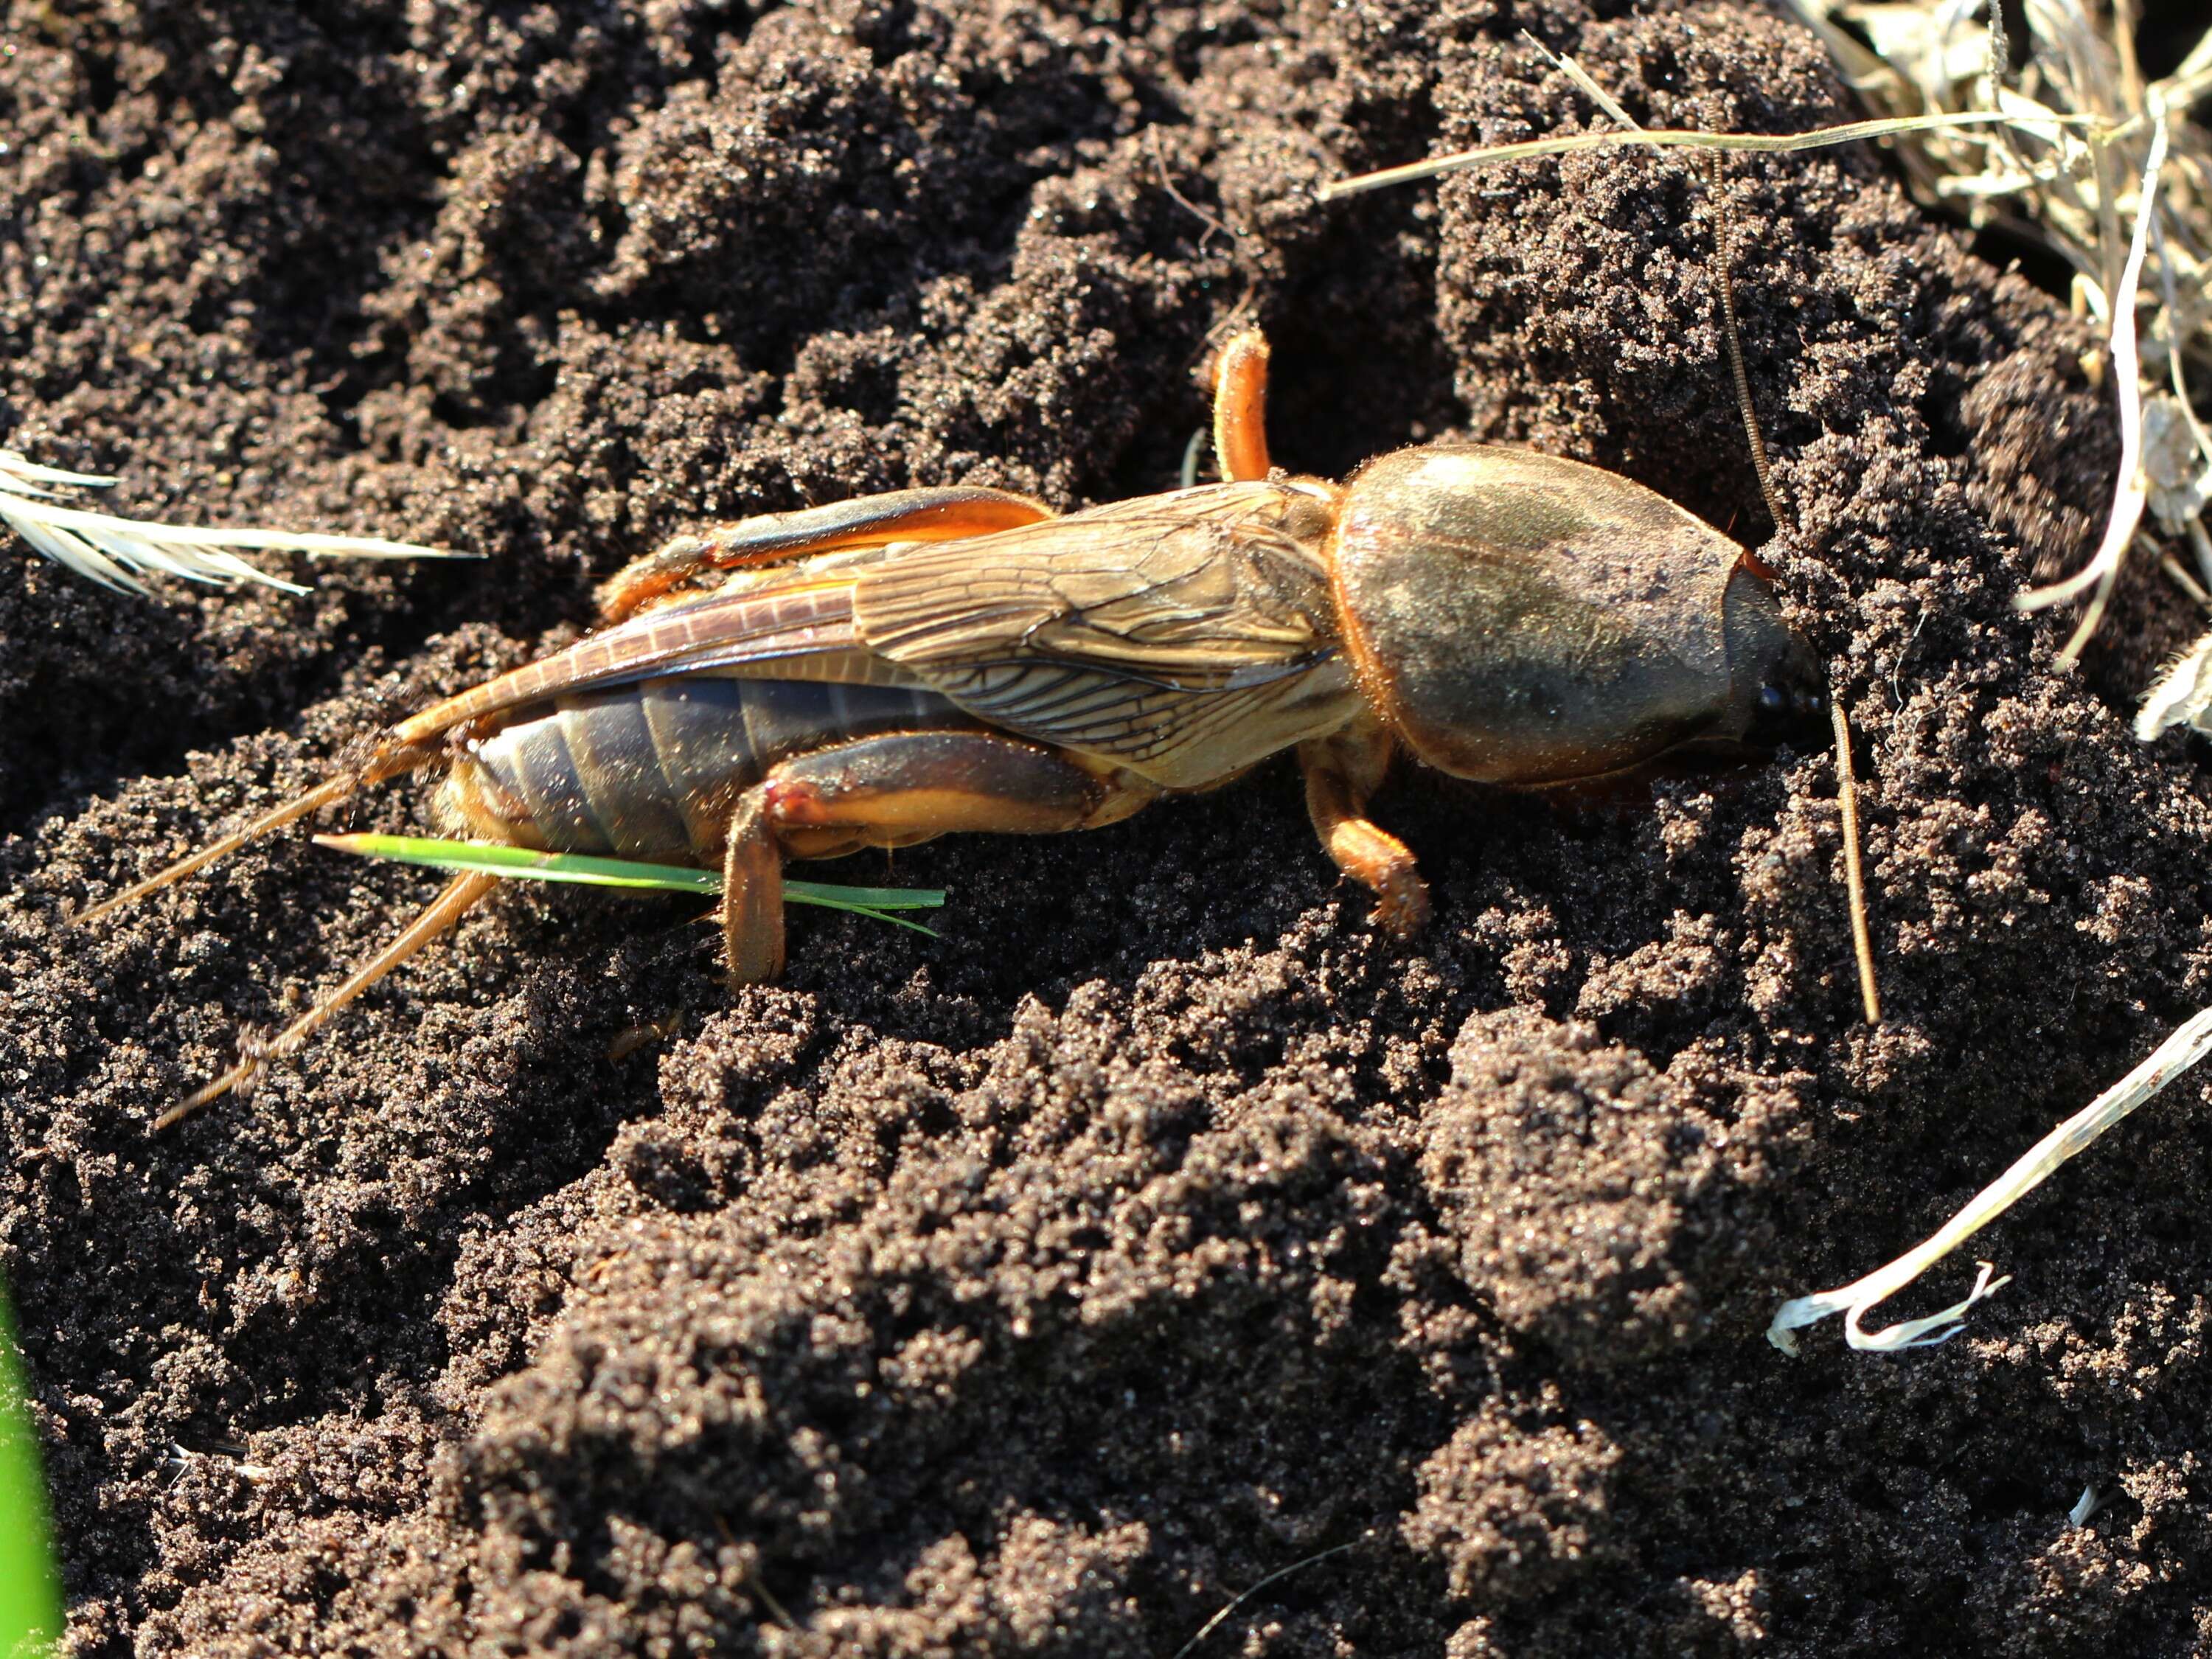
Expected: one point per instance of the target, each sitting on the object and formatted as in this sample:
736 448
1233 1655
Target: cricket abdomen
654 770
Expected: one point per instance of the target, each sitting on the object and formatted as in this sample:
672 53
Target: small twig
777 1611
753 1582
1214 1623
1590 90
1846 782
1723 254
1214 225
1847 795
1192 452
2188 584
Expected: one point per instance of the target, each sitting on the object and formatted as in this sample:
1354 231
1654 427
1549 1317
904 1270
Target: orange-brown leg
1240 407
752 894
903 515
1342 771
893 791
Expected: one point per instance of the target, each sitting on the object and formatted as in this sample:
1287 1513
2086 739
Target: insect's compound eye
1790 708
1780 702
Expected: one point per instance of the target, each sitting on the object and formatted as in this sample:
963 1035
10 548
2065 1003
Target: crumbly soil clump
1038 1288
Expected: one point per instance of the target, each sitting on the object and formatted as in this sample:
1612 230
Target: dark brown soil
1038 1289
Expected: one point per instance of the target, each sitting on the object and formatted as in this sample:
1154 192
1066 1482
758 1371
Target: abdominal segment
654 770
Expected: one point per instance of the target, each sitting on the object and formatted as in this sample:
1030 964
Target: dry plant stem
2177 357
1723 259
777 1610
1847 795
2125 18
2179 574
1192 454
1666 138
1723 254
2168 1061
2132 490
1214 226
1590 88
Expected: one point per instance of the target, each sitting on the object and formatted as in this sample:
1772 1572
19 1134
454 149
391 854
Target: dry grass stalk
1571 144
115 551
2103 168
2188 1045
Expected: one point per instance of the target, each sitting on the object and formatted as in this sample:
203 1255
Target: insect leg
903 515
1342 771
436 918
893 791
1240 407
752 893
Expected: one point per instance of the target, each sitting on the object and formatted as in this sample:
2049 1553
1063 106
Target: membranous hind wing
1183 637
788 624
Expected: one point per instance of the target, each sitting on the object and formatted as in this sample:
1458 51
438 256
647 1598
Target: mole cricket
882 670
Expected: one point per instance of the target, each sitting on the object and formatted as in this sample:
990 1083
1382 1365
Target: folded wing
1184 637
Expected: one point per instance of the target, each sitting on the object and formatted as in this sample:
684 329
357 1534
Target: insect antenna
390 763
437 917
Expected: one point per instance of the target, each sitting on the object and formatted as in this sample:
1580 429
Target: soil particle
1040 1288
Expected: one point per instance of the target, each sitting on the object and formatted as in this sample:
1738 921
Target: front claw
1401 903
1383 864
1341 772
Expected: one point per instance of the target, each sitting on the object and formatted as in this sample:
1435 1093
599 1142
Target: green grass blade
30 1589
859 898
817 890
520 864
